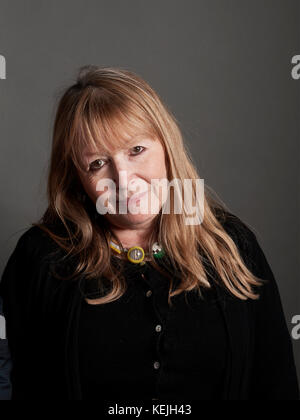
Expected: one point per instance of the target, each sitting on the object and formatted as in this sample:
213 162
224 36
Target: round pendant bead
157 250
136 254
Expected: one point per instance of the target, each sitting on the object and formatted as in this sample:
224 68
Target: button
149 293
156 365
158 328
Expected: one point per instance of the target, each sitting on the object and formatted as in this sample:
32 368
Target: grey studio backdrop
222 66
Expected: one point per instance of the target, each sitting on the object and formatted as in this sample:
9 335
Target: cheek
155 165
90 188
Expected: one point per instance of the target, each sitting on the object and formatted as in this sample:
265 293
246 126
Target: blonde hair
101 106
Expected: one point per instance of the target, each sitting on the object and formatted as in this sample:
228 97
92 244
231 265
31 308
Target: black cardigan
42 315
146 350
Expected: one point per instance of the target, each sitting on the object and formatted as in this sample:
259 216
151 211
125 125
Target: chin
131 219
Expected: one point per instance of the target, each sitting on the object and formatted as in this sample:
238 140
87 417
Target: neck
132 237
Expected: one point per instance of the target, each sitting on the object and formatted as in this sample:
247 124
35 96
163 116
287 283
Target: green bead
159 254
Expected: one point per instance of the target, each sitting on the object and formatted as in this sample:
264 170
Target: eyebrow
93 154
130 142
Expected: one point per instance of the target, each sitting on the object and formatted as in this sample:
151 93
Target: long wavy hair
95 111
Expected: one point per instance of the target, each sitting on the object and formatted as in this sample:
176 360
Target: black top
43 316
138 348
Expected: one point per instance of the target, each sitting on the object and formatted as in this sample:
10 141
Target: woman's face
128 171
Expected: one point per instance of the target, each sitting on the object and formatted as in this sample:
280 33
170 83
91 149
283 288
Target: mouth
133 198
137 197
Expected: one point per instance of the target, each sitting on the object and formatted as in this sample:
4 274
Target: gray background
222 66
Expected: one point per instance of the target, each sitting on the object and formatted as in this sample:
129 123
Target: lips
137 197
133 197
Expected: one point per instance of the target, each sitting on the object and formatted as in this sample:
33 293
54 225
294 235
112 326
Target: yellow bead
136 254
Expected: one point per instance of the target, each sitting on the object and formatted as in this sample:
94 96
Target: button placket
161 310
149 292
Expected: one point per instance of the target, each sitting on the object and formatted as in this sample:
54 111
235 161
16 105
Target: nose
126 180
121 174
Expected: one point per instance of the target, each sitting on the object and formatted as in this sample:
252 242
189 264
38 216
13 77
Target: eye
138 151
95 166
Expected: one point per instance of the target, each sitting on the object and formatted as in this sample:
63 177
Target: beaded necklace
136 254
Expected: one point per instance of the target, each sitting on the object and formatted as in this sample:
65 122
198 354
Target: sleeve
5 361
16 291
274 375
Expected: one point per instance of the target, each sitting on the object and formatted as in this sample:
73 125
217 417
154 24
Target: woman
144 303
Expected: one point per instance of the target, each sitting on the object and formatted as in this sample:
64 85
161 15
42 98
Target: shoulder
247 243
35 244
35 234
255 259
30 267
33 248
239 231
235 226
